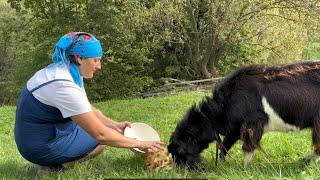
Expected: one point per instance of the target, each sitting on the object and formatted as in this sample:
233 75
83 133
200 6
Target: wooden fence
174 86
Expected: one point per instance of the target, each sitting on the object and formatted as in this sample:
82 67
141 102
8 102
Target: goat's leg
227 143
251 135
315 155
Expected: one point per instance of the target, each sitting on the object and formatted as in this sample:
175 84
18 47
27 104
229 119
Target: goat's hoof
222 157
304 161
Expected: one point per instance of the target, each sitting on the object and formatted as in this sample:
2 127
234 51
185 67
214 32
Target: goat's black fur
236 111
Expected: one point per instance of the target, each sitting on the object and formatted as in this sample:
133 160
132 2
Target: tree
115 23
211 32
12 32
150 39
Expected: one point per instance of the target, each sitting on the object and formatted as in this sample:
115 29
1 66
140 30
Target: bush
113 82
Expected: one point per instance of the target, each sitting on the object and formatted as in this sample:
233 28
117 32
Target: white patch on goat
275 122
247 158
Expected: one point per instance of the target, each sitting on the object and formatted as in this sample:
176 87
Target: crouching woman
55 123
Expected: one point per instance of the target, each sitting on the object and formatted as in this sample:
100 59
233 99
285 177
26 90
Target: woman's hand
151 146
120 126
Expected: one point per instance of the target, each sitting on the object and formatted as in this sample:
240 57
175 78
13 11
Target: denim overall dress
44 137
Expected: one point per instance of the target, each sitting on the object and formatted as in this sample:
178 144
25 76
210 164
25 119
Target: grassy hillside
284 149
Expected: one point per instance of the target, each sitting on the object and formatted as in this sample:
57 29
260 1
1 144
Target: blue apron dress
44 137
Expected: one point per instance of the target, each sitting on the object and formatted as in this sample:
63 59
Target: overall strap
41 85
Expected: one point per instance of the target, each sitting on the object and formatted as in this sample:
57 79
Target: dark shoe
45 170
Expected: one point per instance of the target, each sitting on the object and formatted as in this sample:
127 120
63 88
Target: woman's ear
75 59
78 60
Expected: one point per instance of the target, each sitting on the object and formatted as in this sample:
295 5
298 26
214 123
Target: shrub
113 82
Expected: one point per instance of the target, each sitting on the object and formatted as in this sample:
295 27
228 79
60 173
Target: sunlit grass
282 162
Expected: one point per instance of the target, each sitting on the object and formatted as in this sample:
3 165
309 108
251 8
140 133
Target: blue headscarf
80 44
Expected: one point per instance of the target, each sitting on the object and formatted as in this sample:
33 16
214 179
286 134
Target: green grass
284 149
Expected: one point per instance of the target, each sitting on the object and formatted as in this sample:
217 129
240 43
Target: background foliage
148 40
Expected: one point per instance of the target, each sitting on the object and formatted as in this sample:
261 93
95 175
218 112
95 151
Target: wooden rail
173 86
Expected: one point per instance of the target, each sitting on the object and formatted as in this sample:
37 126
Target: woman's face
89 66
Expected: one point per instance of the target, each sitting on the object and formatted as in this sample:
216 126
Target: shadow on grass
132 163
261 169
133 166
11 169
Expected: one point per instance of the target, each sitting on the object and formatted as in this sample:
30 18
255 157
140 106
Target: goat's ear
207 135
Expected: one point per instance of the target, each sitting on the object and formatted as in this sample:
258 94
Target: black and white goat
251 101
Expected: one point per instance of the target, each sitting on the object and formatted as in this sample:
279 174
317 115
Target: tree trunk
213 61
203 69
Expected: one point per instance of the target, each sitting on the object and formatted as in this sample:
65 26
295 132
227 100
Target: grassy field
284 149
